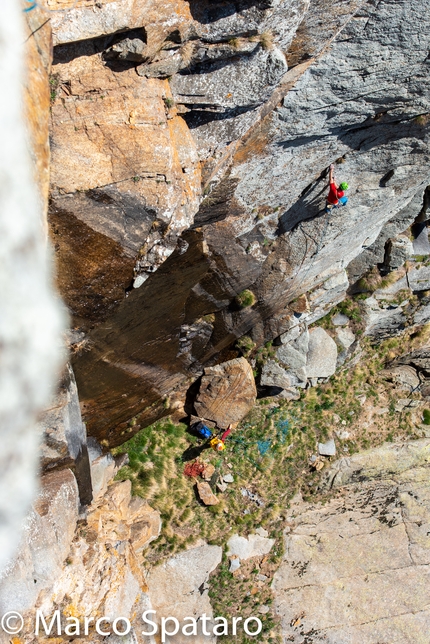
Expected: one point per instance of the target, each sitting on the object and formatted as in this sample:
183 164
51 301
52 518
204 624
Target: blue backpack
203 431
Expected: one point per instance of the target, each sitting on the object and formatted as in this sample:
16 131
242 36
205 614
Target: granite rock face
125 178
90 568
351 563
48 534
63 432
322 354
305 355
263 136
254 545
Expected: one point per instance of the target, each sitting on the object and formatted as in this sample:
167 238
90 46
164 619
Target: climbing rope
266 446
33 6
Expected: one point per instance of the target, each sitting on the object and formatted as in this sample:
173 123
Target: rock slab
247 547
179 586
206 494
356 568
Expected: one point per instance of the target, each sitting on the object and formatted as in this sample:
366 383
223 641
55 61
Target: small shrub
266 40
245 298
246 345
187 52
426 416
168 102
422 119
54 82
234 42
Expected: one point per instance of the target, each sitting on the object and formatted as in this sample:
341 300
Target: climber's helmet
344 186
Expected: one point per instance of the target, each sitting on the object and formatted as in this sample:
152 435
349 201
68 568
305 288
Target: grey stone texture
92 565
419 278
340 319
254 545
262 225
61 427
328 448
403 375
179 586
322 354
274 375
310 355
47 536
383 322
356 568
345 337
398 250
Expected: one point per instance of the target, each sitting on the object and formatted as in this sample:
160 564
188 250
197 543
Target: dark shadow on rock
207 11
267 392
298 142
119 66
364 137
191 396
198 116
303 209
385 179
91 46
218 204
208 67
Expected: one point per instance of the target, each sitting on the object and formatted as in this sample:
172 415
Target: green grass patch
245 298
426 416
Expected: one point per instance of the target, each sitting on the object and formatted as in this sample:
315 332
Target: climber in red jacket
336 196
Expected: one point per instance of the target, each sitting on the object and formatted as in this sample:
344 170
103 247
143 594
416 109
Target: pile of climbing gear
217 442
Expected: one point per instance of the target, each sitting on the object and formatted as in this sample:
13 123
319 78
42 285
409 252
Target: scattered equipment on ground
217 444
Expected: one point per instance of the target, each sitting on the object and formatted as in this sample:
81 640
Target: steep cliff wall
257 98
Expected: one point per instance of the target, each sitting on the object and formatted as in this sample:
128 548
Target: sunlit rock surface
356 568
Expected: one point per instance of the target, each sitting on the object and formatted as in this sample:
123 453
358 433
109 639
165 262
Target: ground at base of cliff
272 455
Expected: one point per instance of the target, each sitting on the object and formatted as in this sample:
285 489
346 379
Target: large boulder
274 375
381 322
322 354
398 250
404 375
227 392
419 359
